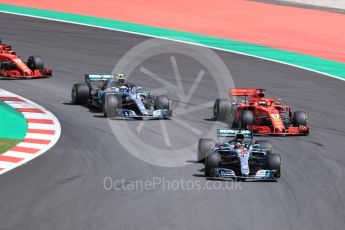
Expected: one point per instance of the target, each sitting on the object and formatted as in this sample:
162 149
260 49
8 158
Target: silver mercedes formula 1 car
238 157
118 98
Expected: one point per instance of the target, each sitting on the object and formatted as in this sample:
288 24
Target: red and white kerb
43 132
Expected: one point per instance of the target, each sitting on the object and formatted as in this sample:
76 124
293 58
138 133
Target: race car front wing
263 174
155 115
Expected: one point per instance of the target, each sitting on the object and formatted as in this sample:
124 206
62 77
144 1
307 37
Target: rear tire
221 110
80 94
204 146
35 63
247 118
274 163
212 164
161 102
110 105
265 145
299 118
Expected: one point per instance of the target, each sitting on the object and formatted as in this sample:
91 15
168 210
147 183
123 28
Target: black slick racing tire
274 163
204 146
247 118
80 94
35 63
212 164
221 110
111 104
299 118
161 102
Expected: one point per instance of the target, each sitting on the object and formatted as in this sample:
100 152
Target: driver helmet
120 78
238 145
239 137
262 103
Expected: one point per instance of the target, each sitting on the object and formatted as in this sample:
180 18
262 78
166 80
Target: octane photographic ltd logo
192 77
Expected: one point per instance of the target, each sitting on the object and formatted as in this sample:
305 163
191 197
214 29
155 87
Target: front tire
204 146
161 102
212 164
35 63
299 118
111 105
80 94
274 163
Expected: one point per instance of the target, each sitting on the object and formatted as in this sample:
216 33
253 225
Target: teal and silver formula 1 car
118 98
238 157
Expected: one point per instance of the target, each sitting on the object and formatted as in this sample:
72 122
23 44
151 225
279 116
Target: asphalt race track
63 189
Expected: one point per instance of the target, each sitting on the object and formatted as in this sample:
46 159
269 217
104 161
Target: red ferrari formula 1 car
250 109
11 66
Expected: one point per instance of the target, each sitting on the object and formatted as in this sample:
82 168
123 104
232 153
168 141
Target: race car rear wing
96 80
97 77
245 91
233 132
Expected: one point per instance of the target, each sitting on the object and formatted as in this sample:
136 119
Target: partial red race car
11 66
250 109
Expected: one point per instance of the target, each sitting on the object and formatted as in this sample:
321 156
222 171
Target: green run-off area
13 126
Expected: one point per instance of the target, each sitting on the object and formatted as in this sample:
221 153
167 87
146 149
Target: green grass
6 144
